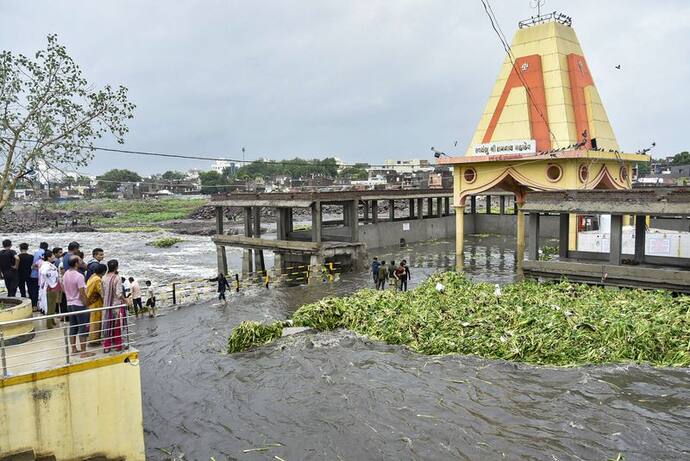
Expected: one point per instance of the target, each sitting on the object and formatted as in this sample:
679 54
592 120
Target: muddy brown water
336 396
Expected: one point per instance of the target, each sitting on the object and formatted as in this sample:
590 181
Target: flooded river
335 396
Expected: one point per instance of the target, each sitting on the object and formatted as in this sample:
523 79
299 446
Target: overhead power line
506 47
212 159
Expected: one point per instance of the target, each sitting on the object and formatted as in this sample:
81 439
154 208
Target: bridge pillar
446 206
282 224
258 254
391 210
247 255
374 211
316 221
366 211
411 206
353 223
439 207
430 207
420 208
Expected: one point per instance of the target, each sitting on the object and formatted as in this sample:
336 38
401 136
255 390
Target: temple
544 128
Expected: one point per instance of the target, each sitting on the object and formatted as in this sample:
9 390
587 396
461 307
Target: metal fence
29 345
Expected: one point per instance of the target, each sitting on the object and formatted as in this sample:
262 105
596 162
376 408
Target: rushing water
337 396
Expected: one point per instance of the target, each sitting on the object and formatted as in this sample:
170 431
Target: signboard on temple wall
524 146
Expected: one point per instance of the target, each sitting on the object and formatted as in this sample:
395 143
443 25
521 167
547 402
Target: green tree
356 173
210 180
113 179
643 169
173 175
682 158
51 115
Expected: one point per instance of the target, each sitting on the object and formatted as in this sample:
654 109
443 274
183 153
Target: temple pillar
520 243
459 238
572 233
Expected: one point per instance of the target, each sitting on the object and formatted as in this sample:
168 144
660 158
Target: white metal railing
43 347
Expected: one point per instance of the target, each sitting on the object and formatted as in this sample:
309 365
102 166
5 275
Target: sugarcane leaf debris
558 324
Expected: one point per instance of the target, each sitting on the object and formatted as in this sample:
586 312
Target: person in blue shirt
32 282
375 271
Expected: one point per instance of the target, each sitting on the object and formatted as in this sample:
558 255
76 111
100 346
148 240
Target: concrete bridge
344 238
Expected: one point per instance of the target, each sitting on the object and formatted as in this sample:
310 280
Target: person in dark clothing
26 260
223 285
32 282
97 256
9 262
375 270
401 275
392 281
382 276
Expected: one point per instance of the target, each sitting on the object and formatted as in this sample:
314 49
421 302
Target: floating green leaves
251 334
563 324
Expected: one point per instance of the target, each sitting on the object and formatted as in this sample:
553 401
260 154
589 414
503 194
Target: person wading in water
223 285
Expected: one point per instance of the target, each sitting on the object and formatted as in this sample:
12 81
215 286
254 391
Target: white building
220 165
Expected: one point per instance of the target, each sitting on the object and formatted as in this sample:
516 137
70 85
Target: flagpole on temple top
537 4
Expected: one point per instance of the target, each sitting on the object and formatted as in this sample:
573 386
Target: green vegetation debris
131 229
251 334
165 242
144 211
561 324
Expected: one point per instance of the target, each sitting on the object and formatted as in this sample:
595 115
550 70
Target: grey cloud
362 79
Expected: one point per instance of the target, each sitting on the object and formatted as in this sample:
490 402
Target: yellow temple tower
544 128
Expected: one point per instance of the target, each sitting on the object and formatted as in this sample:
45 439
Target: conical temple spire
545 95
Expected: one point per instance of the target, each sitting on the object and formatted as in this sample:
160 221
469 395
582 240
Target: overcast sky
363 80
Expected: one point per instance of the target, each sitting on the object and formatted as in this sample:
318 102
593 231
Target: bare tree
51 116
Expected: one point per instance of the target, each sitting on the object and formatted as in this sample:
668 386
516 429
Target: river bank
184 215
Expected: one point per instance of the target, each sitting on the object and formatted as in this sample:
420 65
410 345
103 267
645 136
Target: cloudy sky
363 80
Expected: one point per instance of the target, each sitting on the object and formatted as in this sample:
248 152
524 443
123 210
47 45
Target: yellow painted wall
553 42
533 174
74 415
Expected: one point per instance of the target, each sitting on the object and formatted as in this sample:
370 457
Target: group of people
60 282
396 275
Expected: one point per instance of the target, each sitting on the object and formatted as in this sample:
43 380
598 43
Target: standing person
97 256
375 271
94 295
401 273
392 281
35 267
49 288
114 320
9 262
223 285
151 301
382 276
26 260
135 293
72 250
75 291
62 302
407 270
